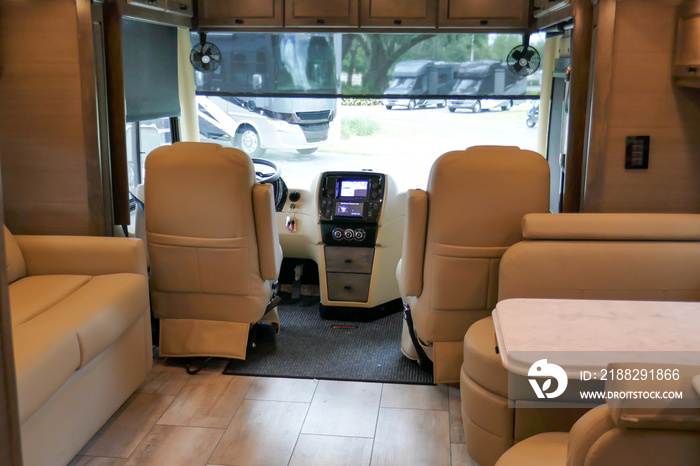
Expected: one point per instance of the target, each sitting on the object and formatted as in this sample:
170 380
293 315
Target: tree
379 52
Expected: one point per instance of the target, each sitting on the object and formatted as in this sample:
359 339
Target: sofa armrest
82 255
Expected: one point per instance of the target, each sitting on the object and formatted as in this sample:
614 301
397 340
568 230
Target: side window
142 138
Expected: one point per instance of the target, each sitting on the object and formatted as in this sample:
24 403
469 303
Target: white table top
589 333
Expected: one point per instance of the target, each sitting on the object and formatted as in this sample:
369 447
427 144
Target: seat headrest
612 227
636 412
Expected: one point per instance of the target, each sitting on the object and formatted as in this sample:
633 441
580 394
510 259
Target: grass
358 127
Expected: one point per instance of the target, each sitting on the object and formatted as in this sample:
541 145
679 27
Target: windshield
402 83
467 86
321 102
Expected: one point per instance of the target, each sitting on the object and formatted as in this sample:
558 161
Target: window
146 136
388 102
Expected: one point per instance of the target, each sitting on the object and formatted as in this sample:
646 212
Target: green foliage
351 102
358 127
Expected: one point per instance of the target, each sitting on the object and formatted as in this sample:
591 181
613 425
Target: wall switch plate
637 152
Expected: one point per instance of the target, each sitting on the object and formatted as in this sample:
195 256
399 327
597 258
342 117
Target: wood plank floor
211 419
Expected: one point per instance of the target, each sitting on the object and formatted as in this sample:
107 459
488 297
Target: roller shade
150 70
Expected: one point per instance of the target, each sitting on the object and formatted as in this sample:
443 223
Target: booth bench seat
653 257
81 333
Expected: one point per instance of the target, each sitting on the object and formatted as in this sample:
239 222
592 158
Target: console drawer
348 287
349 260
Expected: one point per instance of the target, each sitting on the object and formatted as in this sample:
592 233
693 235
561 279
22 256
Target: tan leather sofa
623 431
455 235
82 336
579 256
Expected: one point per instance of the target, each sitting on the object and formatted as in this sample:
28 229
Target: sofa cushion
32 296
46 356
481 362
100 311
16 267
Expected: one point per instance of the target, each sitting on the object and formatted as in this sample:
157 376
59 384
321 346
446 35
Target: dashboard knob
349 234
338 234
360 234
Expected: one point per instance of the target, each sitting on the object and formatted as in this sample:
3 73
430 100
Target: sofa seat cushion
481 362
32 296
100 311
548 449
46 356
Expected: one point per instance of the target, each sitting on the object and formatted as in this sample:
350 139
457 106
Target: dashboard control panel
350 204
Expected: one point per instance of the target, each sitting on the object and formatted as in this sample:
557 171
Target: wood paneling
484 13
42 134
321 13
10 443
391 13
580 64
214 13
644 102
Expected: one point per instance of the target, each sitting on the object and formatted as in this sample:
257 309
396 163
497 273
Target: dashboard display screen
354 188
349 209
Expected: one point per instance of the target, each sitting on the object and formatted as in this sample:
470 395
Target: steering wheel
273 178
266 176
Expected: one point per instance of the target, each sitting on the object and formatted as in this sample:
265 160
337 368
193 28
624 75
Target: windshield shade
373 65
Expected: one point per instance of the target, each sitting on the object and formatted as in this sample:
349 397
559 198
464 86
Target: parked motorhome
425 288
484 78
418 80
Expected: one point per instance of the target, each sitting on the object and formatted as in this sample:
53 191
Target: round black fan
524 60
205 56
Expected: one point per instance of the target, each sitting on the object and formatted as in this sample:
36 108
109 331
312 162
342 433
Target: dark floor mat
310 347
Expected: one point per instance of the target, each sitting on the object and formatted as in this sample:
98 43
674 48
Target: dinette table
587 335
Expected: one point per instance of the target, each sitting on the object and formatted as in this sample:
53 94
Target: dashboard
351 224
350 204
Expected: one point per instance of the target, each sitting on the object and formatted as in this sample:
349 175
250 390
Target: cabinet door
388 13
241 13
321 13
484 13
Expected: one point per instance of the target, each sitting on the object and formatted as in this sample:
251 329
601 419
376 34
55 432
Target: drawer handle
348 261
320 21
347 287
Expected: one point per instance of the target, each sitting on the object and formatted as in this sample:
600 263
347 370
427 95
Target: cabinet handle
239 21
320 21
348 261
347 287
397 22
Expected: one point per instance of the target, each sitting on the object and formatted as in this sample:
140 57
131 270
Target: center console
350 205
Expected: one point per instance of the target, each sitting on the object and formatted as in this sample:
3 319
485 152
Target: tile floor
212 419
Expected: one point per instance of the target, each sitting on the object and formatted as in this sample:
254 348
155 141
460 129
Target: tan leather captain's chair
213 245
455 235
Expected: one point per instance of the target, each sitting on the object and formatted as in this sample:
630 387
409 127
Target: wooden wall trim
599 111
580 64
117 112
10 440
93 169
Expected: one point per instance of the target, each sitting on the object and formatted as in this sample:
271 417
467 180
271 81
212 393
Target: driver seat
214 249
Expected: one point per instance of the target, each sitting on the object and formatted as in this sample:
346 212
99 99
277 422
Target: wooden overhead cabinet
253 13
390 13
321 13
507 14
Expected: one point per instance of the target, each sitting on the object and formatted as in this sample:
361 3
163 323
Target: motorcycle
533 115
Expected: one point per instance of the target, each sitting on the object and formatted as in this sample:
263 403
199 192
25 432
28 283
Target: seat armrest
413 253
82 255
266 233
